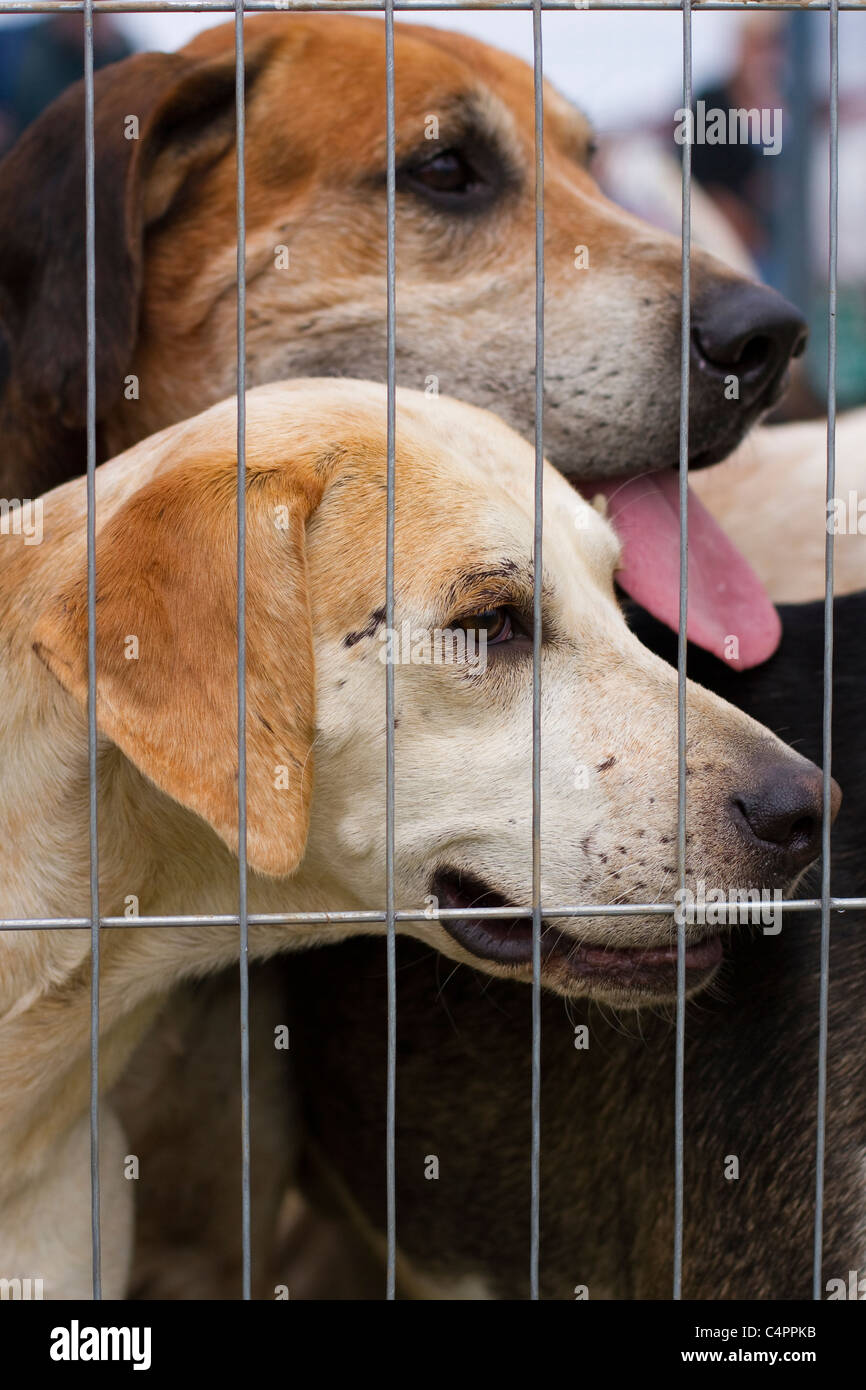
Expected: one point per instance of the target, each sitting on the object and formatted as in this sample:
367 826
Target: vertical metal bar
90 314
240 114
685 344
390 943
535 1156
824 997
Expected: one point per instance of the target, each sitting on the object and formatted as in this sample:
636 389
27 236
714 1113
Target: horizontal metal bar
446 914
278 6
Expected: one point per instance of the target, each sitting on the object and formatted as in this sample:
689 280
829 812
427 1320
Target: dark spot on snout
608 762
372 624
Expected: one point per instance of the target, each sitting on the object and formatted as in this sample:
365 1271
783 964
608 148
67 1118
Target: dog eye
496 622
448 172
448 175
499 624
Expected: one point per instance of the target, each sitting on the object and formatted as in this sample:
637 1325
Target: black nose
749 332
781 811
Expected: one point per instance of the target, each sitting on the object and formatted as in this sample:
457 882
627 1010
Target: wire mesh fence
389 916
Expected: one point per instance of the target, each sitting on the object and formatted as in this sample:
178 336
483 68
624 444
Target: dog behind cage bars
166 769
790 328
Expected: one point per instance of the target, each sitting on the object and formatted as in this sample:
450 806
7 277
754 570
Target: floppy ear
166 637
184 107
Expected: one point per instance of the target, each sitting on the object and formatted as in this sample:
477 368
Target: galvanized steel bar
390 928
827 750
537 563
90 316
243 918
371 916
685 347
403 6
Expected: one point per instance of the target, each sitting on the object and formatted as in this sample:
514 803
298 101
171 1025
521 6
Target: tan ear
166 634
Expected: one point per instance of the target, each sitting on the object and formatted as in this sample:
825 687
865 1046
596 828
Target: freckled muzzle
774 815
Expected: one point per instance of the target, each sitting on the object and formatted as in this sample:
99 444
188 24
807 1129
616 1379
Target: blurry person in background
745 183
779 206
735 175
39 60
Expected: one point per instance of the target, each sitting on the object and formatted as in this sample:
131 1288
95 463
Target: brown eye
495 622
450 180
448 172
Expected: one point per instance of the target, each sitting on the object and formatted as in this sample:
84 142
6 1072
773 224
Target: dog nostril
750 331
779 830
803 828
782 812
753 354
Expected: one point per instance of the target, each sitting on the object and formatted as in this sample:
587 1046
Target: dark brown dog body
463 1097
607 1167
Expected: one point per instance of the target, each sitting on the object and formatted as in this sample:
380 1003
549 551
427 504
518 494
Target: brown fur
315 168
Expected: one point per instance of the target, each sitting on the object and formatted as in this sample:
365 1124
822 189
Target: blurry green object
850 343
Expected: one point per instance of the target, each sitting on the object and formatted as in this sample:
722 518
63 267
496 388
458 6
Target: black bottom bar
203 1337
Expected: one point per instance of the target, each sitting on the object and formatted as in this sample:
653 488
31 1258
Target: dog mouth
649 972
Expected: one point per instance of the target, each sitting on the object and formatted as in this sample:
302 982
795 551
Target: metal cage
388 915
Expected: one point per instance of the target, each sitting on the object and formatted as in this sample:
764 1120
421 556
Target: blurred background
625 71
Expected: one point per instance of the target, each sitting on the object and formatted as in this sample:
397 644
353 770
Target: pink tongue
726 598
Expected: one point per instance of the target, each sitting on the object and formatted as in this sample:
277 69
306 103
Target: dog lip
508 941
700 458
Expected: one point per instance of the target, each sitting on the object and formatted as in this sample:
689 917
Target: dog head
461 652
316 216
